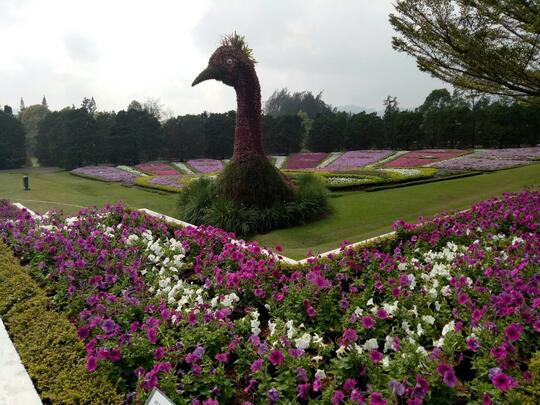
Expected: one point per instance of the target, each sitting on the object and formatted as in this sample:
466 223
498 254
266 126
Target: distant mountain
355 109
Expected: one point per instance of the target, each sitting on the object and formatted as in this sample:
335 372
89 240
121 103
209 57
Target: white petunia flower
428 319
303 342
371 344
320 374
449 327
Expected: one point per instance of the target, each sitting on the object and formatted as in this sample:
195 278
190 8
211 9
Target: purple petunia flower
513 331
377 399
273 395
337 397
375 356
276 357
503 382
368 322
256 365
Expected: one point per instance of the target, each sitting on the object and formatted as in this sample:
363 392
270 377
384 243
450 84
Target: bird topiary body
249 180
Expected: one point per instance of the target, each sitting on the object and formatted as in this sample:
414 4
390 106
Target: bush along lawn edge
47 342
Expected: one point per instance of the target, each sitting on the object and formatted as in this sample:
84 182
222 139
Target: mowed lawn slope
70 193
361 215
357 215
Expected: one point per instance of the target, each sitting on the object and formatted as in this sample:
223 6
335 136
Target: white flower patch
255 323
428 319
403 172
131 170
280 161
449 327
229 299
303 342
331 158
371 344
183 167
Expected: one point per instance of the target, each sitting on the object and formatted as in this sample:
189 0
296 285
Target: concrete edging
16 387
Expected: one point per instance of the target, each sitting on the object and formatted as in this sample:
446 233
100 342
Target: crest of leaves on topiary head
238 41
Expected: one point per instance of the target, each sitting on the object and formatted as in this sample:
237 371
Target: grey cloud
80 47
342 47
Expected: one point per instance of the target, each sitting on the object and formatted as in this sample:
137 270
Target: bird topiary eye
229 61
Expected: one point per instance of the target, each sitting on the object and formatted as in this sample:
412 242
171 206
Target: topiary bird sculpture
249 180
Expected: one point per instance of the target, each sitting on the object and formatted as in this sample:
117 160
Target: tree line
79 136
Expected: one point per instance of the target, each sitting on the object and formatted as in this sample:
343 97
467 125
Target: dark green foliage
134 137
253 183
490 46
67 139
282 102
47 342
283 134
219 134
12 142
198 204
363 131
327 132
184 137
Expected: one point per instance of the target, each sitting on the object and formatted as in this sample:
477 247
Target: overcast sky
119 50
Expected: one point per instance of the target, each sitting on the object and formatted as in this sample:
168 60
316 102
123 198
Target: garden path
16 387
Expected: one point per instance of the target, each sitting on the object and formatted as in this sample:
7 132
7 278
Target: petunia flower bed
157 168
357 158
447 312
424 157
305 160
206 165
105 173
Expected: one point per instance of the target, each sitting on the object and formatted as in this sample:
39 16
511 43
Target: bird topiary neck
247 140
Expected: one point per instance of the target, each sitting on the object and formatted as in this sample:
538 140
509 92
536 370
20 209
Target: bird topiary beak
210 72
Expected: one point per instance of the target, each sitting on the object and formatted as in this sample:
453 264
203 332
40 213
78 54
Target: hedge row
47 342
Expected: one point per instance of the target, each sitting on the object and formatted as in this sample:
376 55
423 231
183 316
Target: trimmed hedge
47 342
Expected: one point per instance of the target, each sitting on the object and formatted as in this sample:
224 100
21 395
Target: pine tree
44 102
22 106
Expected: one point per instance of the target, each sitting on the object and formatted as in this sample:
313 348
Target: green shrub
253 183
47 342
200 204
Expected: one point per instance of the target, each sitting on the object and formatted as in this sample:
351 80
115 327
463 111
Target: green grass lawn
61 190
361 215
357 215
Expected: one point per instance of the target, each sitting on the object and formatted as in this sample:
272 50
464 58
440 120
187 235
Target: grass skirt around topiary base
202 202
253 182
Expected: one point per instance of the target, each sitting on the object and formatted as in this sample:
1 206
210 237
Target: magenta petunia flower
256 365
337 397
503 382
375 356
276 358
377 399
368 322
513 331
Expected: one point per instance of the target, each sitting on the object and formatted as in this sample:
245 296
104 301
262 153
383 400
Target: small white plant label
158 398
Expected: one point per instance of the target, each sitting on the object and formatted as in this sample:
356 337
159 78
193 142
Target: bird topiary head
230 62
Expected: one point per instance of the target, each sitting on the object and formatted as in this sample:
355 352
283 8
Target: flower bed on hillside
206 165
424 157
368 177
509 153
445 313
105 173
170 182
305 160
156 168
357 158
476 163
